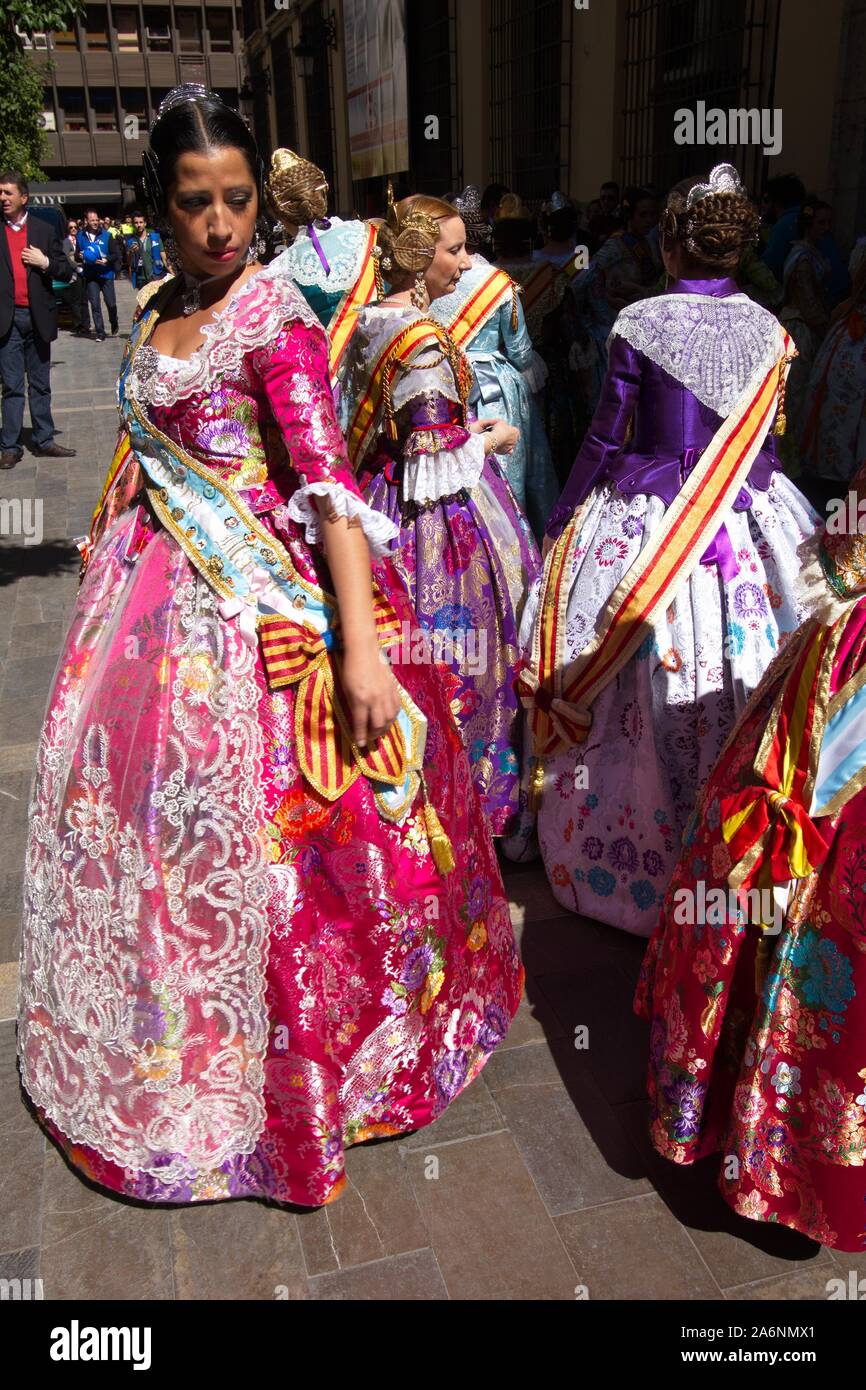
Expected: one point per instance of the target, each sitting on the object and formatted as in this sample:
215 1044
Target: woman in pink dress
263 921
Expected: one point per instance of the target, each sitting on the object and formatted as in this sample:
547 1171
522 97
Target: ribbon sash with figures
558 697
296 621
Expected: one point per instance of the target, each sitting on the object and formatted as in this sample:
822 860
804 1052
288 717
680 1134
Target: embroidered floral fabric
226 979
771 1077
467 561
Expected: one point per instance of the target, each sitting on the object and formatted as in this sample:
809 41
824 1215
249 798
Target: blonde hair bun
296 190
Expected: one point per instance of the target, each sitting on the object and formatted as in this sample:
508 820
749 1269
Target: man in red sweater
30 258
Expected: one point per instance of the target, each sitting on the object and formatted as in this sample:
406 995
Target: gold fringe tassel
440 845
513 307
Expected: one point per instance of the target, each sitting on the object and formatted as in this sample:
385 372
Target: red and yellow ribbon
767 825
496 289
420 334
559 699
361 293
295 654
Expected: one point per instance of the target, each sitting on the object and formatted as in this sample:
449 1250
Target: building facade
536 94
545 94
105 77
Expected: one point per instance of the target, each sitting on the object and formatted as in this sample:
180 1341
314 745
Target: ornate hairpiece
468 205
185 92
723 179
413 237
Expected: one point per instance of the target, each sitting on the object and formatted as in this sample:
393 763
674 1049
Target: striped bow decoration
328 757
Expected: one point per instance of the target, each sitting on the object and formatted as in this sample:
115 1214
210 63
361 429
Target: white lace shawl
252 318
713 347
343 245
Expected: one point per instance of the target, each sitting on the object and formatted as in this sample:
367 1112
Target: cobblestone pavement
543 1179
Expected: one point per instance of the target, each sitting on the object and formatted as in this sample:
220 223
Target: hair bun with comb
297 191
408 236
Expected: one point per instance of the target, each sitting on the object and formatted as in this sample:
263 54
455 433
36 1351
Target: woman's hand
499 436
546 546
371 693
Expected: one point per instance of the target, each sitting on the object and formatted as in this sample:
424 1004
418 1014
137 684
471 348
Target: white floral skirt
614 809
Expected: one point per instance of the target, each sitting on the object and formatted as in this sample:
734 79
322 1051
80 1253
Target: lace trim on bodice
713 347
253 317
343 245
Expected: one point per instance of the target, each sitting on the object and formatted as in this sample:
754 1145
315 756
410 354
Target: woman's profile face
450 258
212 207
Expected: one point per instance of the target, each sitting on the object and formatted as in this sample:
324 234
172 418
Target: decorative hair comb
723 179
187 91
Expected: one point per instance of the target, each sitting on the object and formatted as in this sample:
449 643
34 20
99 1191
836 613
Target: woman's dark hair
806 217
562 224
715 230
194 126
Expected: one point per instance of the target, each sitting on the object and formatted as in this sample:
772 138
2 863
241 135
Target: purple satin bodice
670 429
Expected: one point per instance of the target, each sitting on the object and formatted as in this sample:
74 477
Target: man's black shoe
9 457
53 451
100 337
115 330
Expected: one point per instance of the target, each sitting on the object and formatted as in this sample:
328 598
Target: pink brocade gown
226 979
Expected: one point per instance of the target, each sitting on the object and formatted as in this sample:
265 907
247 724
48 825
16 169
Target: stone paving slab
539 1181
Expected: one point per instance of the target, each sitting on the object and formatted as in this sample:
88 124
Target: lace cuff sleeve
293 370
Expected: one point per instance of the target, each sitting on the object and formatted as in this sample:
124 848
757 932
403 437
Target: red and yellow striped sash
421 333
767 825
537 284
361 293
559 700
494 291
328 757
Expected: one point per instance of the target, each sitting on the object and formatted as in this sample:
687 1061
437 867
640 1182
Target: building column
473 91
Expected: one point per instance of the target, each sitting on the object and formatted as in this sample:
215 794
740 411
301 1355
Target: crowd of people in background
101 250
605 255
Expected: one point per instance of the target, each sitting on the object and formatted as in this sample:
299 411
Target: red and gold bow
328 757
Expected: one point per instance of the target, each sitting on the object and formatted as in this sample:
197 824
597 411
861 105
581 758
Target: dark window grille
432 86
281 63
319 96
680 52
530 49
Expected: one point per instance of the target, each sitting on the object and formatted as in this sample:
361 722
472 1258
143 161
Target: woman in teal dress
485 317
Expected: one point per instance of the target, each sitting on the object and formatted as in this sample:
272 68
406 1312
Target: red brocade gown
758 1040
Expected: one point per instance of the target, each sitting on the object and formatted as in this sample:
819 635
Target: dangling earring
418 293
256 248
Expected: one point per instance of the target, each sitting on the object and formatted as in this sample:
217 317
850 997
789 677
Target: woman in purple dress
681 365
464 547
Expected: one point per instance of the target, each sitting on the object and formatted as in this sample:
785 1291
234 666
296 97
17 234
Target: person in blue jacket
100 257
146 252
